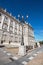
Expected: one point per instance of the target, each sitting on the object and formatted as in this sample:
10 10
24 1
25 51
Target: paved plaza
4 59
37 60
7 58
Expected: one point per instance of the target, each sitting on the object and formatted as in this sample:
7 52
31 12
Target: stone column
13 26
8 34
2 20
8 24
1 24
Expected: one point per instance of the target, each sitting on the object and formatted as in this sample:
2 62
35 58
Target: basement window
0 14
0 21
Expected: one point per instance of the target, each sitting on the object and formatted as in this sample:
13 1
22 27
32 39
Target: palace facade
11 31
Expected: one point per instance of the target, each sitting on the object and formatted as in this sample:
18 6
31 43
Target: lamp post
23 22
22 48
22 42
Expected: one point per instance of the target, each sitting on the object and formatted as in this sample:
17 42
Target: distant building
11 30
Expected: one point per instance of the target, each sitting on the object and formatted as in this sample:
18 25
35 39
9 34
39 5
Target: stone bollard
38 44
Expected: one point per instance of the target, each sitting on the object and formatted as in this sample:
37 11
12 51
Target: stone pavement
25 59
4 59
8 58
31 54
37 60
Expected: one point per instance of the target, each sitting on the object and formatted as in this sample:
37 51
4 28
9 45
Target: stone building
11 31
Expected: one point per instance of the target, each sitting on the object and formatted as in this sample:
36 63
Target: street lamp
22 42
18 16
22 22
27 16
22 48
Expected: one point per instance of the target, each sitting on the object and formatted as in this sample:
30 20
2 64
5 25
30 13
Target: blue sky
34 8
